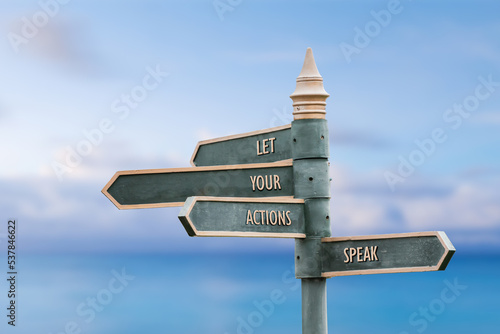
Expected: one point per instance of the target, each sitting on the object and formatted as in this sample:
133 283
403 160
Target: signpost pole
311 182
241 182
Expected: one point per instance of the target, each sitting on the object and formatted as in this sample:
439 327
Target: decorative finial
309 98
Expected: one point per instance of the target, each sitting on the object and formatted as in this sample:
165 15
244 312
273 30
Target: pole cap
309 97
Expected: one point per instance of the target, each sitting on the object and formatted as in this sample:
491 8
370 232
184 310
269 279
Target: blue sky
230 72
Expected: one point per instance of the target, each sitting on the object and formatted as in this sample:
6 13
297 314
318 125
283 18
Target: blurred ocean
242 293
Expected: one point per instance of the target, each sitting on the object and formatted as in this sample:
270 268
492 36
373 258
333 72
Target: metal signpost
275 183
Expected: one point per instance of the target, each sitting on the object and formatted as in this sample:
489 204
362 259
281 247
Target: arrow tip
309 97
449 250
184 216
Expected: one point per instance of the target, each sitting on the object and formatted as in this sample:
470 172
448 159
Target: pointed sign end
449 250
184 216
106 193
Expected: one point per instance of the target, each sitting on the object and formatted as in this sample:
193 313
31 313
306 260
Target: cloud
479 173
74 215
56 40
65 41
468 207
358 139
362 204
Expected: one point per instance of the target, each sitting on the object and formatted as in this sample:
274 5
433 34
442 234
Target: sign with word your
154 188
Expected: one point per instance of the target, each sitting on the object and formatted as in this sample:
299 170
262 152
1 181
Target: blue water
242 293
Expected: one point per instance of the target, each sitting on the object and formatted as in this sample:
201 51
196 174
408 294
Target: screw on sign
275 183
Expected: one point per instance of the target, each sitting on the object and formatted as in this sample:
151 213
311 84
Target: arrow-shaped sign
243 217
268 145
389 253
154 188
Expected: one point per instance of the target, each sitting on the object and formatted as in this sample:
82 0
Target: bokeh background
74 110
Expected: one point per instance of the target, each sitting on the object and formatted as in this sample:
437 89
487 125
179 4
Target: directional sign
262 146
154 188
243 217
389 253
244 186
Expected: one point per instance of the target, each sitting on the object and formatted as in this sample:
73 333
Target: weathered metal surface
171 187
318 217
308 257
243 217
314 316
312 178
312 183
310 139
390 253
269 145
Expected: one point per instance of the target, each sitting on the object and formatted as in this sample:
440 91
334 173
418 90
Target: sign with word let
389 253
155 188
243 217
269 145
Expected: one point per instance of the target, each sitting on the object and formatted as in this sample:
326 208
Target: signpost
243 217
275 183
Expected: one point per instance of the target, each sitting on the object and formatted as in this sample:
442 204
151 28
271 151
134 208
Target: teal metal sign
269 145
243 217
389 253
154 188
245 186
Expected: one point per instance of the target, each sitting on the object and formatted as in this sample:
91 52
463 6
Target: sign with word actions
154 188
389 253
262 146
243 217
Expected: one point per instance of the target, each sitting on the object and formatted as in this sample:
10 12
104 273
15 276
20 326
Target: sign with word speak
389 253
